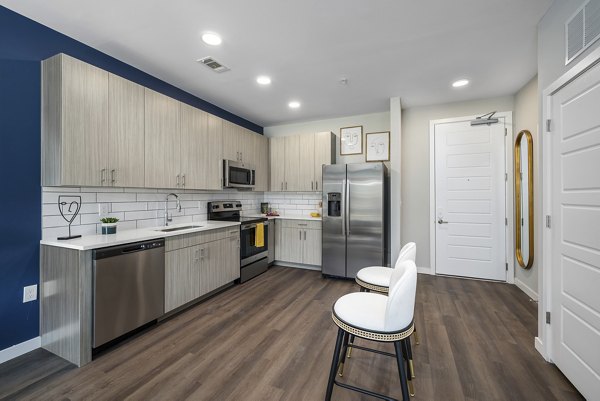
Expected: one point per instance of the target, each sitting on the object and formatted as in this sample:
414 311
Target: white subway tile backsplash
144 207
116 197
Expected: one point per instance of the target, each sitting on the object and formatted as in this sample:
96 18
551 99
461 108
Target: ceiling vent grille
582 29
213 64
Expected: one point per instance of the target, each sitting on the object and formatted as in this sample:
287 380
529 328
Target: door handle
440 221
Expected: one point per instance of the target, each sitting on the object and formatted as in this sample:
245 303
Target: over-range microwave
238 175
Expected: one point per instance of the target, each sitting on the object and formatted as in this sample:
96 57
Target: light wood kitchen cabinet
306 170
213 163
238 143
277 161
298 241
162 141
297 160
261 153
198 263
74 122
125 133
324 155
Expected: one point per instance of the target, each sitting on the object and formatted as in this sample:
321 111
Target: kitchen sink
170 229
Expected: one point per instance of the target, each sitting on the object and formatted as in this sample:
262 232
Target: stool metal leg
343 353
334 364
402 371
406 351
410 358
351 342
416 336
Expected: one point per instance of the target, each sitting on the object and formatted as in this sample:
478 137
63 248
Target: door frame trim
543 341
508 160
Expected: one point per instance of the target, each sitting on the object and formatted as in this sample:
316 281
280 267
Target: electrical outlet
103 209
30 293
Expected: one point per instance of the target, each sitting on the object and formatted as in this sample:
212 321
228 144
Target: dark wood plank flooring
272 339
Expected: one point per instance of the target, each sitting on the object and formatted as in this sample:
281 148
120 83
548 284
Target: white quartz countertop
88 242
285 217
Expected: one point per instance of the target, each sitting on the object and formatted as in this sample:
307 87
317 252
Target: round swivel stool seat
375 278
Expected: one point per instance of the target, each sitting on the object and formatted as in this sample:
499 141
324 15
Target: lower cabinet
298 241
193 271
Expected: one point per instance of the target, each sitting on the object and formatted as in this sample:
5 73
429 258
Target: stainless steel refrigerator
355 218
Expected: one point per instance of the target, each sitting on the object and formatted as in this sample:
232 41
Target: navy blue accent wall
20 199
23 44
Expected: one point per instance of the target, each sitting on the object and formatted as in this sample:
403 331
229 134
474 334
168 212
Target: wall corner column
395 176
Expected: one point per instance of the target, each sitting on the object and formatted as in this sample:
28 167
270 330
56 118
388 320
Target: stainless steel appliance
129 288
238 175
253 257
355 218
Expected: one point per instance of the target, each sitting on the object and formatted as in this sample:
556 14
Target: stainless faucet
178 206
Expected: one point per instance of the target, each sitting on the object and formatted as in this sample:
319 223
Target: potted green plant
109 225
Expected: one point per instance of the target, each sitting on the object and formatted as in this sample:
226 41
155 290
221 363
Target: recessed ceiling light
293 105
263 80
211 38
460 83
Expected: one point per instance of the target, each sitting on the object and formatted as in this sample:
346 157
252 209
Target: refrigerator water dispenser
334 204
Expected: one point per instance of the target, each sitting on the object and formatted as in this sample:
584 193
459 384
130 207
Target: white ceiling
412 49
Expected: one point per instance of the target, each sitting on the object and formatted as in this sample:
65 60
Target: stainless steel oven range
253 252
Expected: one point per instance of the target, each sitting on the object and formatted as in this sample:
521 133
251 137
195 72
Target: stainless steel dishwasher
129 288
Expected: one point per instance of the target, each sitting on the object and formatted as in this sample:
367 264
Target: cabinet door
162 141
248 150
290 245
277 158
311 247
84 139
182 274
324 155
125 133
194 152
230 259
306 176
231 141
261 152
292 163
214 153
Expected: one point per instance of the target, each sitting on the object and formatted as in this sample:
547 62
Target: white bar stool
381 318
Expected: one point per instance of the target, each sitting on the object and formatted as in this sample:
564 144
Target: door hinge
547 317
548 221
548 125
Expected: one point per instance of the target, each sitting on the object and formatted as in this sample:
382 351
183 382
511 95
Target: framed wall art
378 146
351 140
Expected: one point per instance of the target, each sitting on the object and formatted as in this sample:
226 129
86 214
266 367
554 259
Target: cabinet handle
300 236
183 178
237 157
316 185
312 184
304 235
177 180
241 156
286 185
112 177
282 185
102 176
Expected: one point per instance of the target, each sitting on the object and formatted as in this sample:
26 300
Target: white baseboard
526 289
20 349
539 347
425 270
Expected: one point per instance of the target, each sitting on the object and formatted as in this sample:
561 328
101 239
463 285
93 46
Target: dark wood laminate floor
272 339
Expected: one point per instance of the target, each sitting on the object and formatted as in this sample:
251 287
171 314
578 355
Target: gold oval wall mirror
524 199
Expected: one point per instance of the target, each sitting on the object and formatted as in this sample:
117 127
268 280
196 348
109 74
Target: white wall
415 164
526 118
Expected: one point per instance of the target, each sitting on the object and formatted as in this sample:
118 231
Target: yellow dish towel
259 236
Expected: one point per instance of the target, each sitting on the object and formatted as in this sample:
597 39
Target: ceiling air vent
582 29
213 64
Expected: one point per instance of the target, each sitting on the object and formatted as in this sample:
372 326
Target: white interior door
470 201
575 323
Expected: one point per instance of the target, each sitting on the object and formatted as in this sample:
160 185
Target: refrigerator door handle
347 210
343 207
